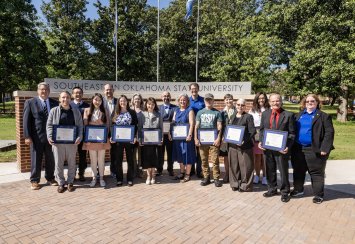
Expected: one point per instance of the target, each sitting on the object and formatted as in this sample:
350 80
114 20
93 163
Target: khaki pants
205 152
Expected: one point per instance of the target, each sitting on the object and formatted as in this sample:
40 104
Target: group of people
310 136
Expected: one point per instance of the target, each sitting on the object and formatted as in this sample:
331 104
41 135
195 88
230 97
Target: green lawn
344 135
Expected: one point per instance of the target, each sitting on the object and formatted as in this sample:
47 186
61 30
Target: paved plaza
170 212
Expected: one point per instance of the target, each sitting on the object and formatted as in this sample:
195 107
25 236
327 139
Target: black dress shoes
234 188
217 183
285 198
270 193
317 200
61 189
70 187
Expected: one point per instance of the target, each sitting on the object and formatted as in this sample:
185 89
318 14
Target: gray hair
43 84
185 96
241 100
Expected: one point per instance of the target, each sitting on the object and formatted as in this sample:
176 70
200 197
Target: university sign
219 89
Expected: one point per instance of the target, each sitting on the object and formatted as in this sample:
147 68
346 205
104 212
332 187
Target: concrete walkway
173 212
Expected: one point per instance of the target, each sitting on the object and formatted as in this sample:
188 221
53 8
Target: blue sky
91 10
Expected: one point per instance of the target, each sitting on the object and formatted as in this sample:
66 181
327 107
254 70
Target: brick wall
23 151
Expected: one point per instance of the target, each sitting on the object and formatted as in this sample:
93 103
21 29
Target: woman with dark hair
96 114
137 106
151 120
260 104
314 141
228 114
123 115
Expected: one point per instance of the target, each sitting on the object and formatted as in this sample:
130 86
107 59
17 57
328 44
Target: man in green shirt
209 118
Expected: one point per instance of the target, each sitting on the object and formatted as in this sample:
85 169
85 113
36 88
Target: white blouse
257 116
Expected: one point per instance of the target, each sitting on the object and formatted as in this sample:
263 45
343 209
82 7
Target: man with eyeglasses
277 118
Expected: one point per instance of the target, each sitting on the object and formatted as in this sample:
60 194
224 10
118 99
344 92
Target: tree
66 38
136 37
23 53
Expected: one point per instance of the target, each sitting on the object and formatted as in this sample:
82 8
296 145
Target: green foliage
66 38
22 52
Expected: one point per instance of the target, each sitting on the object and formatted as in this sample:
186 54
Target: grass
344 135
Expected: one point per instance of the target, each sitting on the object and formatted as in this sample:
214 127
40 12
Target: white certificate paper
64 134
96 134
180 131
123 133
166 127
274 140
151 136
234 134
207 136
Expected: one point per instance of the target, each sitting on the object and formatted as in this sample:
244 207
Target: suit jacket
322 132
54 117
115 100
246 120
34 119
81 106
286 123
167 116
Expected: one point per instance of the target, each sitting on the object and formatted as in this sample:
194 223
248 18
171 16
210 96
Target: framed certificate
207 136
123 133
166 127
234 134
274 140
180 132
151 137
95 134
64 134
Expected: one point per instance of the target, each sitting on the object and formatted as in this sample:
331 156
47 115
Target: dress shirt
304 128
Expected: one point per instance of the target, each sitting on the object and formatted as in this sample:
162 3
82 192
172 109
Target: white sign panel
218 89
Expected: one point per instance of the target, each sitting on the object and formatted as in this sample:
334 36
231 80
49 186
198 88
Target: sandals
180 176
186 178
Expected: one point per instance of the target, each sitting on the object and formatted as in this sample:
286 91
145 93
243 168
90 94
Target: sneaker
152 181
147 181
70 187
119 183
256 179
52 182
130 183
205 182
35 186
264 181
93 183
296 193
317 200
102 183
217 183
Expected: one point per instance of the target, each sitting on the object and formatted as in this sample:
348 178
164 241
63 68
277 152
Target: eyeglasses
311 101
240 105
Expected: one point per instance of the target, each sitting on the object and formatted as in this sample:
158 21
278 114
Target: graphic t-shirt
208 118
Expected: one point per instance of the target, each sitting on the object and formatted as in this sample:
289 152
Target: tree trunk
342 111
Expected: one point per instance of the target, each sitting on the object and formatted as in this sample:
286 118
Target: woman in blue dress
184 150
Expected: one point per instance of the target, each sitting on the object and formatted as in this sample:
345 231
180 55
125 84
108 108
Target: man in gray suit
110 103
66 115
35 116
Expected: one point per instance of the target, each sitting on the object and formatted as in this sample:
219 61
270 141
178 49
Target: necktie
274 122
45 109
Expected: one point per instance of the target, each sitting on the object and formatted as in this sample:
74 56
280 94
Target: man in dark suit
35 117
167 112
110 103
77 96
277 118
